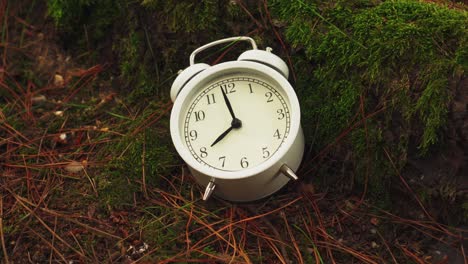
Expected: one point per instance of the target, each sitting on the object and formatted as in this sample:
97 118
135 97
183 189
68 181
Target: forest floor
58 126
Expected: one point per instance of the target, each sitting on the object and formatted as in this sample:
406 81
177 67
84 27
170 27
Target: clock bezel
229 68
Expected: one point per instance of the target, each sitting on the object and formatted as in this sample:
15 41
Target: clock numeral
250 87
269 95
193 135
203 152
266 153
211 98
228 88
281 114
199 116
244 163
277 134
223 158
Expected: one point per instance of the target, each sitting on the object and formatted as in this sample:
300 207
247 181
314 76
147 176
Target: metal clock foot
209 190
288 172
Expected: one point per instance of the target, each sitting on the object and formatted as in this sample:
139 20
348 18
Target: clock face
236 122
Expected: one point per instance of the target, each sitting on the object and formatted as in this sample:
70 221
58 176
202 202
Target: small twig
272 228
187 233
241 4
150 48
209 226
363 115
228 48
4 35
387 246
321 227
148 122
463 253
340 137
77 242
48 244
407 186
32 212
293 239
283 45
143 171
86 77
431 225
91 181
231 235
5 253
412 255
53 241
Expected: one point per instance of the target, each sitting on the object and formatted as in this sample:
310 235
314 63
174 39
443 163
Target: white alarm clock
237 124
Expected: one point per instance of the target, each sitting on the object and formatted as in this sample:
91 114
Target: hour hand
222 136
236 123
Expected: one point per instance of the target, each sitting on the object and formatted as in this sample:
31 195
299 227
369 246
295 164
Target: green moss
143 155
85 22
186 15
139 67
142 38
465 211
371 50
394 55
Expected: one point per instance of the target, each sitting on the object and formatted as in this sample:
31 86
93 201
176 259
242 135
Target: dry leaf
74 166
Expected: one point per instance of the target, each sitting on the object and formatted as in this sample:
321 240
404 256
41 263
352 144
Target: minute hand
228 104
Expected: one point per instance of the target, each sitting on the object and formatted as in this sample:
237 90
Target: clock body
242 161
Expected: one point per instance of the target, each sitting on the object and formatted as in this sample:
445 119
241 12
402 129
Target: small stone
58 80
143 248
38 99
58 113
374 245
63 136
373 230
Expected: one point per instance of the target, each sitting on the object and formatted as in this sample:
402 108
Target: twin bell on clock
237 124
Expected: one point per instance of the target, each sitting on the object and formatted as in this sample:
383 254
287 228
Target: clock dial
235 123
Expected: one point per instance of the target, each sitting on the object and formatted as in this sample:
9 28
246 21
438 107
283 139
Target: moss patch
363 57
139 160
